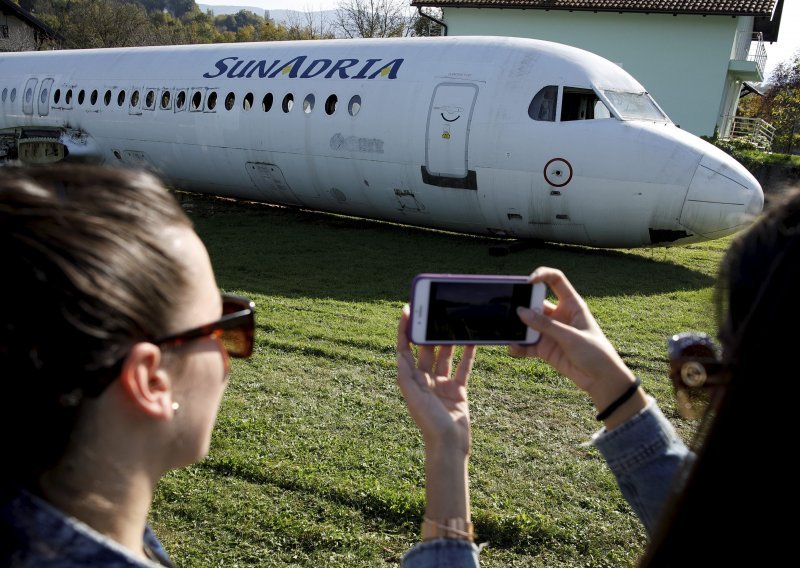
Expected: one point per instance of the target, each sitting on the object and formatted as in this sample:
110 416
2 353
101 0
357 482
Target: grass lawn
314 460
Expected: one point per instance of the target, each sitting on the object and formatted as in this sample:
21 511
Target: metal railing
757 131
750 47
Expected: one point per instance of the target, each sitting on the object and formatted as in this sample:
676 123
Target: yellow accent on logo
286 70
385 71
446 135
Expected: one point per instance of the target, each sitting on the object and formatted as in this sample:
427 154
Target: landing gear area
505 249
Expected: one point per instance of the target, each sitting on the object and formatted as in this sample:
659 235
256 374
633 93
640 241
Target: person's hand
573 343
438 404
436 401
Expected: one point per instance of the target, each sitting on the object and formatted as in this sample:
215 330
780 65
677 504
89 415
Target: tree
424 27
308 25
373 18
106 23
780 105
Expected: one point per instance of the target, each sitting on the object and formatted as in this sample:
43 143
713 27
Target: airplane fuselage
493 136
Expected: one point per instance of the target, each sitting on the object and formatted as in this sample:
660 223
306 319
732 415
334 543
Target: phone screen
477 311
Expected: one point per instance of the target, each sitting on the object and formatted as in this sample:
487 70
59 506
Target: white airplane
506 137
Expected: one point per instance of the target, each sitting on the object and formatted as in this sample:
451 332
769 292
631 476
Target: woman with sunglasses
114 352
718 504
114 346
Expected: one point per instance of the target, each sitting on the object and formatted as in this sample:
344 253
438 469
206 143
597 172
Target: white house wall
681 60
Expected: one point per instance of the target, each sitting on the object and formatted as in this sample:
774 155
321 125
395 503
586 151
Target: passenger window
13 95
308 104
197 101
107 97
266 102
330 104
28 95
4 95
68 97
120 98
81 96
543 105
230 100
180 100
581 104
166 99
247 103
354 106
43 96
211 103
93 98
135 99
56 96
288 102
150 100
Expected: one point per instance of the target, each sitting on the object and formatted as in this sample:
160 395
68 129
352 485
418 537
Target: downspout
431 18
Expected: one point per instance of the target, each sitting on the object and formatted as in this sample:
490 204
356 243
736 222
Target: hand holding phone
472 309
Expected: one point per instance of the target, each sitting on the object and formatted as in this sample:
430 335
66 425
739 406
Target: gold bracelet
457 528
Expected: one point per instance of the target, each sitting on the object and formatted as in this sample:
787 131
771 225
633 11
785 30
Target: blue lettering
221 66
310 72
291 67
242 72
260 67
389 70
363 73
341 67
236 68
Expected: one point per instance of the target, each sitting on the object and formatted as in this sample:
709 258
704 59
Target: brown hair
85 276
725 513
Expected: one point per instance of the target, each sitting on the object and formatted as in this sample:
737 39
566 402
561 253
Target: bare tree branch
373 18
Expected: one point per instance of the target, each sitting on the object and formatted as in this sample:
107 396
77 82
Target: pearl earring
175 407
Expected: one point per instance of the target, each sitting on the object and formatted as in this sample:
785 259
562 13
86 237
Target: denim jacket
33 533
644 454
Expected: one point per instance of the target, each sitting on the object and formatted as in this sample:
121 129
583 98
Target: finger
559 332
403 344
556 281
464 368
444 361
425 358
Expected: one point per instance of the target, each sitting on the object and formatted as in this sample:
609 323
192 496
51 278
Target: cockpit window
582 104
635 106
543 105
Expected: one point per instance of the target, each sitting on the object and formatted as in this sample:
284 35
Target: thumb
560 333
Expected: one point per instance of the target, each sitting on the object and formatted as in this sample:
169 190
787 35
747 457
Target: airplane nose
723 198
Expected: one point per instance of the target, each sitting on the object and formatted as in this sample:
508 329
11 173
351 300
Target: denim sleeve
644 454
442 553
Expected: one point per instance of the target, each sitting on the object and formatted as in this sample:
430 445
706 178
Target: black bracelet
620 401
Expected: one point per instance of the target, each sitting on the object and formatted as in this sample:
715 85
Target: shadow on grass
521 532
285 252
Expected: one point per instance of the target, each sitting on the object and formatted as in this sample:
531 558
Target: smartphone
476 309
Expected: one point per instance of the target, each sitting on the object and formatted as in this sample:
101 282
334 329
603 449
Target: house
692 56
21 31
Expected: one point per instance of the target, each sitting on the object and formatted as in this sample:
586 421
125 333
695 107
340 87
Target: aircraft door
44 97
28 96
447 140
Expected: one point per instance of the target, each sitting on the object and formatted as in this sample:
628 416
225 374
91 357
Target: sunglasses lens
238 341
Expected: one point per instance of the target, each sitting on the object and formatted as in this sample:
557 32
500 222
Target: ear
145 384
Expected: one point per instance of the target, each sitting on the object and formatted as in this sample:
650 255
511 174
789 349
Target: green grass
314 460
